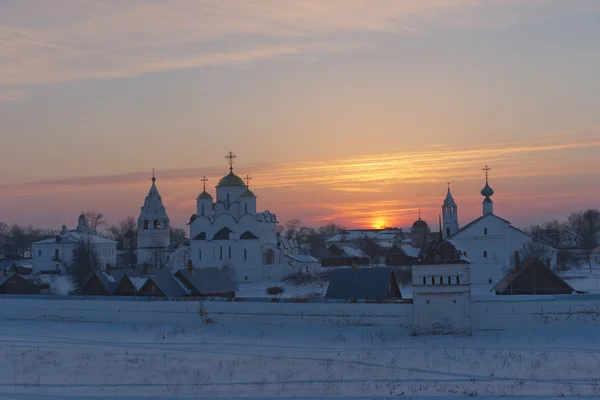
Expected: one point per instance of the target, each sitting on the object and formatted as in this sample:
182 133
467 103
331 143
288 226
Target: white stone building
229 232
441 298
489 242
154 237
58 253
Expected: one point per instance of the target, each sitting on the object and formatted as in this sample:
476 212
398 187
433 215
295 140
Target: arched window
447 231
458 280
484 254
227 200
199 254
145 224
449 281
221 252
156 224
453 208
230 252
246 208
245 254
441 280
270 257
202 209
433 280
424 280
485 231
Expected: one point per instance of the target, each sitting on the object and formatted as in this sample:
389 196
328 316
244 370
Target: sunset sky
352 111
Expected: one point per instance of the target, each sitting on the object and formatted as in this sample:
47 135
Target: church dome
419 224
487 191
248 193
231 179
204 195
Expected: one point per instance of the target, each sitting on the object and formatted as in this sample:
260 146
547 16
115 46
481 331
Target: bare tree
280 230
291 228
125 233
178 236
586 224
533 251
4 229
95 220
85 263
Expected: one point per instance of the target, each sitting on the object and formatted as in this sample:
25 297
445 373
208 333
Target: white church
489 242
226 232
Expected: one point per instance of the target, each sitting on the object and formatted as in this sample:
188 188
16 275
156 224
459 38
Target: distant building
532 278
58 253
489 242
11 283
385 238
338 255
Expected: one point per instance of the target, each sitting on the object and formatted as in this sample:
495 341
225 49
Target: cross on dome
153 177
204 180
247 178
230 159
486 170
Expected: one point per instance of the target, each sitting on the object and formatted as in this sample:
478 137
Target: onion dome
248 193
231 179
487 191
419 224
204 195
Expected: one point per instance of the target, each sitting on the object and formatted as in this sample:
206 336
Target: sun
379 223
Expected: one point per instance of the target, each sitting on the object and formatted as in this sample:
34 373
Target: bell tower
154 230
449 215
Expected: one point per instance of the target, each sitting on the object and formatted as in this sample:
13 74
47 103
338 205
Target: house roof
108 281
75 237
362 283
515 273
167 284
464 228
206 281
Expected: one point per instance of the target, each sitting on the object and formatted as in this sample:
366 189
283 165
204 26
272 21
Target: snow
259 289
138 282
57 360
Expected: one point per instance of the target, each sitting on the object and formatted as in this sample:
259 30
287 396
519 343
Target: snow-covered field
48 360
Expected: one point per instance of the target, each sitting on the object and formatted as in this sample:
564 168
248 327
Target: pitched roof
108 281
364 284
520 273
206 281
167 284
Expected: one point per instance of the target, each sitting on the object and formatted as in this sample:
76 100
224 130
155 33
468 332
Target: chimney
517 260
107 269
145 269
190 266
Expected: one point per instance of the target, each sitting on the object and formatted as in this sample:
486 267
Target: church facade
57 254
229 232
489 242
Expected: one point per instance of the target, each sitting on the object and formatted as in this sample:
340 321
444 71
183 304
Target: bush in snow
274 290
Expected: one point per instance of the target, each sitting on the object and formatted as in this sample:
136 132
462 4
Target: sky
357 112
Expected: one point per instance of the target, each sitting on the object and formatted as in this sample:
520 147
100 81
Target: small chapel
229 233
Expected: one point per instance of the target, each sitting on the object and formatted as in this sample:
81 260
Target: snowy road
58 360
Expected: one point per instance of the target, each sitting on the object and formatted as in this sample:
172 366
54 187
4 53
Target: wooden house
397 256
11 283
533 278
338 255
99 284
206 282
162 284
